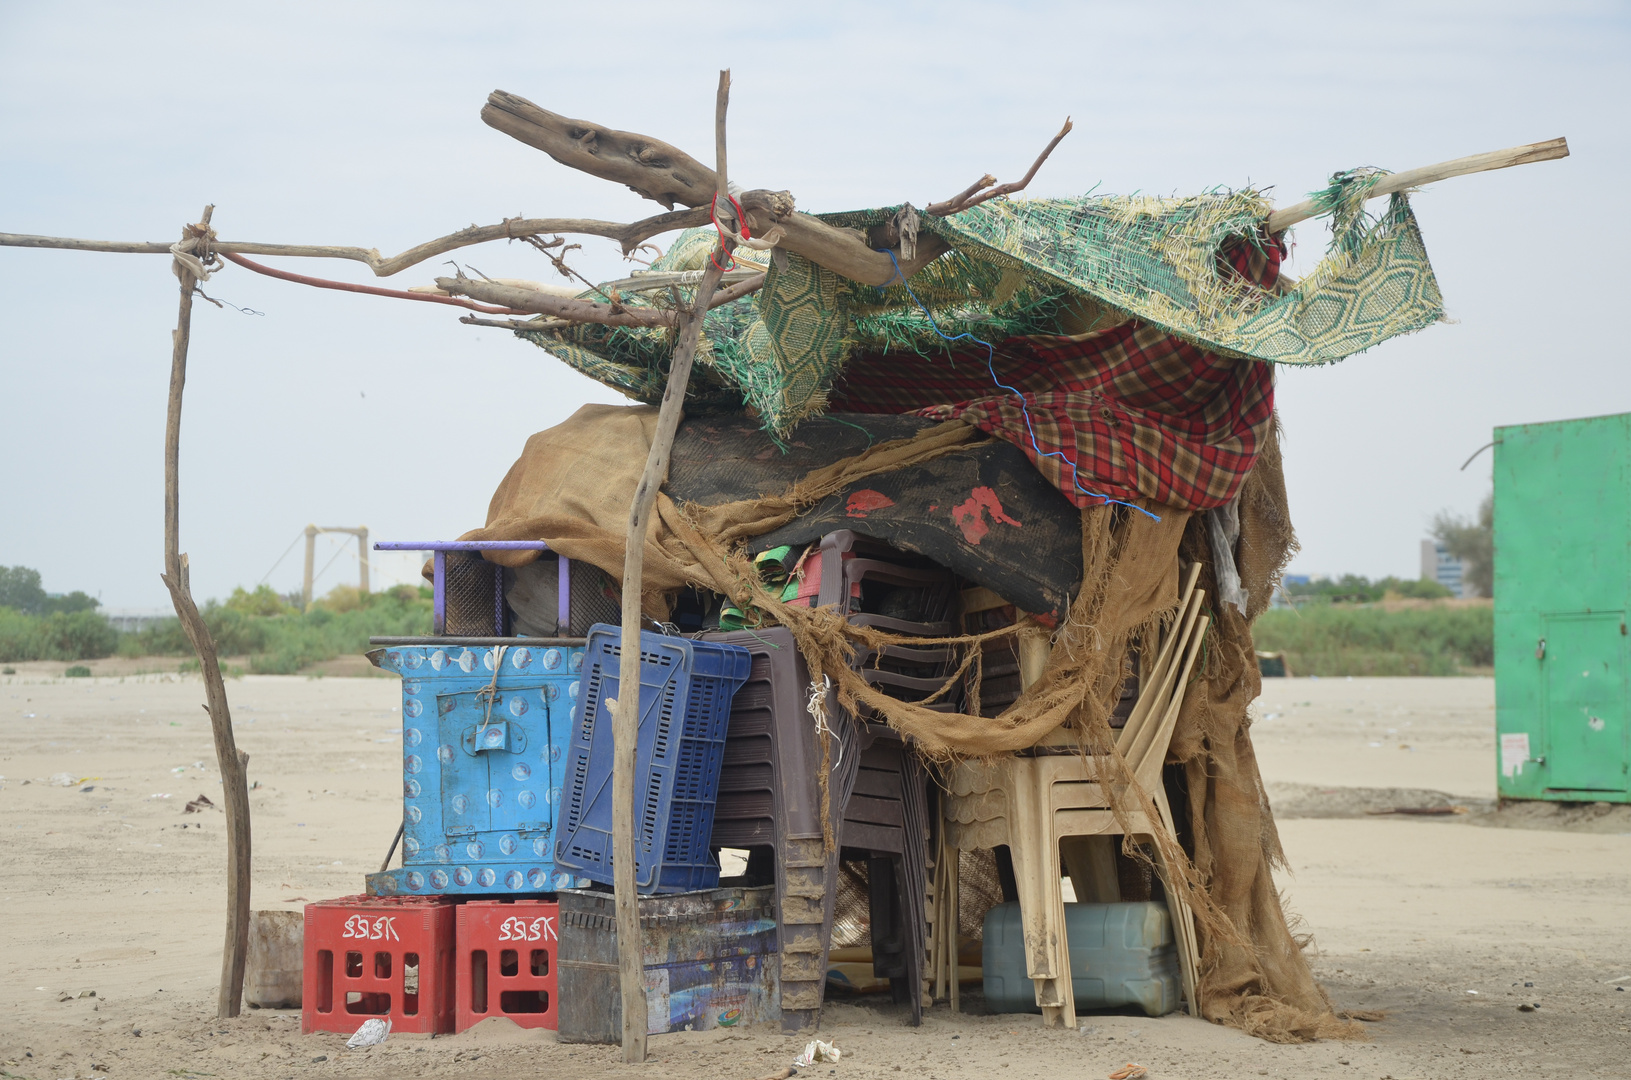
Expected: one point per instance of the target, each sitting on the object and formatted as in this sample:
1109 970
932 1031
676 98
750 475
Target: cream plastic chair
1031 803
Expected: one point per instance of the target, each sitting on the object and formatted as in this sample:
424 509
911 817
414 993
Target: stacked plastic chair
770 798
1032 801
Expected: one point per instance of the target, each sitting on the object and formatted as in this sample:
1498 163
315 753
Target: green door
1585 686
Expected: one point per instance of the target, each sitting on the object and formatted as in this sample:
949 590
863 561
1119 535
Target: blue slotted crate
685 698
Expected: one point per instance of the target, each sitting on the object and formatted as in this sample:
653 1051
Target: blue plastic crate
685 700
482 773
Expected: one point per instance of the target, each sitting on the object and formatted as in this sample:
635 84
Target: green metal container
1562 591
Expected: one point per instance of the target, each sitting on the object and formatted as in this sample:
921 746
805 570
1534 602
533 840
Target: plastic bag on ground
815 1053
372 1033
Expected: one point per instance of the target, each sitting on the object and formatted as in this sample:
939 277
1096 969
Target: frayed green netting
1034 266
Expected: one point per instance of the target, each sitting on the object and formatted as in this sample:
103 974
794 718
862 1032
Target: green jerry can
1562 578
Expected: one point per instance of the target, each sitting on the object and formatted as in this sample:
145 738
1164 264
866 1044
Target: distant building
1437 564
134 620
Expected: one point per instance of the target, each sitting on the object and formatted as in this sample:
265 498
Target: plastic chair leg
1035 853
1183 918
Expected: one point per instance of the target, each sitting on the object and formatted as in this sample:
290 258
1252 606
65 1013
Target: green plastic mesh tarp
1020 267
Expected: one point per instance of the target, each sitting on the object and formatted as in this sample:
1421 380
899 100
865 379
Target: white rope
816 706
186 260
489 692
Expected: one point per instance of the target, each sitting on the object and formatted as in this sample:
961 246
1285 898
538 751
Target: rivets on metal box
414 815
416 880
526 798
474 849
487 877
540 848
411 736
521 770
513 879
463 876
412 764
520 658
444 754
507 844
438 659
536 878
412 707
443 853
438 879
495 798
411 789
410 846
460 804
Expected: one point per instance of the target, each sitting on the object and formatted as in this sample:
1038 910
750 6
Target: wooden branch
655 170
629 236
723 296
517 301
650 167
626 716
974 196
1549 150
229 759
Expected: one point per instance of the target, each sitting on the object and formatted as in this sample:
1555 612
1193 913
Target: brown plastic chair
1031 802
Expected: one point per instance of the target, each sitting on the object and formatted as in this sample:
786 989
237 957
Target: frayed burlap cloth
573 486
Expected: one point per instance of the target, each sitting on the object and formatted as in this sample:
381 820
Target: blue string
991 366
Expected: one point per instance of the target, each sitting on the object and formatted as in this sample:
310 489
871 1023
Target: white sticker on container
1514 753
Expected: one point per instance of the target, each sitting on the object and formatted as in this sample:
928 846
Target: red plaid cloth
1126 413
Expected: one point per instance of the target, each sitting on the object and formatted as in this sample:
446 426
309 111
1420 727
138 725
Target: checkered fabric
1125 413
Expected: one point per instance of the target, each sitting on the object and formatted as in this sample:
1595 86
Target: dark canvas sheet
983 512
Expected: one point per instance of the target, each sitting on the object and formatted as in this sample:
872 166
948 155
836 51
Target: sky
357 124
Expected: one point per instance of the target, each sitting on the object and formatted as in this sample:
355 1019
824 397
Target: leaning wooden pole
229 759
626 715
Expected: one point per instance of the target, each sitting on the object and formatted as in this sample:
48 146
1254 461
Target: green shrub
280 640
78 671
79 635
1350 639
263 601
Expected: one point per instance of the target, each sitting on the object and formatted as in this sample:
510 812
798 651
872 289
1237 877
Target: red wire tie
713 213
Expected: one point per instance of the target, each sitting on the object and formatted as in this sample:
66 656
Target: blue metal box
483 764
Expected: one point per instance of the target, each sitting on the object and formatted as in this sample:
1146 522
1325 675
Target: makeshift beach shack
1121 347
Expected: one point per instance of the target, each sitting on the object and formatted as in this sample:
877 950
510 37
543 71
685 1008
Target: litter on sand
817 1052
372 1033
1130 1071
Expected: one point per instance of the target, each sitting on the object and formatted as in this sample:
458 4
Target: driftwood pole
229 759
626 713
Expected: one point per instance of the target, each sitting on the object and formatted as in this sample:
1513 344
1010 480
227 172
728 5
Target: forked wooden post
626 713
229 759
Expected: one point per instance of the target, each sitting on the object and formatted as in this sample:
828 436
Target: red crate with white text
506 962
385 957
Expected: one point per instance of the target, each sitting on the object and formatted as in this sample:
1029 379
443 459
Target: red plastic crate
507 952
387 957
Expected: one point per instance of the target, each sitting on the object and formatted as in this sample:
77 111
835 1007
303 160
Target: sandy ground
110 887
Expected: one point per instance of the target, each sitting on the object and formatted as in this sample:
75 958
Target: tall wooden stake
229 759
626 715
